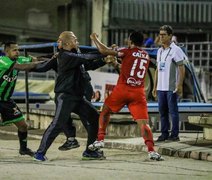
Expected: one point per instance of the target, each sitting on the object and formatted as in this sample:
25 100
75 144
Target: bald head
66 35
67 40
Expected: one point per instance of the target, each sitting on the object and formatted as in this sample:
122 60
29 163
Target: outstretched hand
110 59
114 47
113 61
34 59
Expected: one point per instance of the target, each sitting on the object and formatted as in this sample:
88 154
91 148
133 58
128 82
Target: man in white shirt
168 83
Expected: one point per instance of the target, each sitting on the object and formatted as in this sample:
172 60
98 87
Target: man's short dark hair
8 44
145 32
137 38
167 28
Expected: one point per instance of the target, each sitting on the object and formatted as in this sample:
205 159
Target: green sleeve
23 59
5 63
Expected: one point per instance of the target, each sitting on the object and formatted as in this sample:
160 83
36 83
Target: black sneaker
69 145
161 138
173 138
26 151
93 155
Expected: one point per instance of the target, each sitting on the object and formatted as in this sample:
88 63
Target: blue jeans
167 101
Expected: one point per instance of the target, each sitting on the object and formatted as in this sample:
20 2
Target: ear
6 50
63 43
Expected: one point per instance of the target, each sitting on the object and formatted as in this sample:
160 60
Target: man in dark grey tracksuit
69 129
69 93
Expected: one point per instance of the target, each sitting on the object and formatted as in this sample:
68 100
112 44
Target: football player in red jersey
129 90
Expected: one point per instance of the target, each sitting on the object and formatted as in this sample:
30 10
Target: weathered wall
43 20
205 79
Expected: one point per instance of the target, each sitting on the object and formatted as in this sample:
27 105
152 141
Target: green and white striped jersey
8 75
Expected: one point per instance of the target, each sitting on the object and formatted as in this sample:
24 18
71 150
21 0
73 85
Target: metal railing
200 54
49 75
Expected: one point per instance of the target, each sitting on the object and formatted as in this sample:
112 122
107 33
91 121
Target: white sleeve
179 55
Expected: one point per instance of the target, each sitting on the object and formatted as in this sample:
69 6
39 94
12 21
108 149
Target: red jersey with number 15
135 63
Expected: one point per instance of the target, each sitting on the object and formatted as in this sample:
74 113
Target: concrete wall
100 18
21 15
205 79
43 20
80 20
115 128
121 125
97 16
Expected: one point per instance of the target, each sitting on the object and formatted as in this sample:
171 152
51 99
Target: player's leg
113 103
104 119
89 117
147 135
12 114
138 109
69 130
64 107
22 135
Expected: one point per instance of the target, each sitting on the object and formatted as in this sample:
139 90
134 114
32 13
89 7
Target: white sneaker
96 145
155 156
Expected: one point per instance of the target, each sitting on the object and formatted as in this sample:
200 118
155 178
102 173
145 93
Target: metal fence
200 54
49 75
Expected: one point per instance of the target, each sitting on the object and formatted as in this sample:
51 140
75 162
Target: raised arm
101 47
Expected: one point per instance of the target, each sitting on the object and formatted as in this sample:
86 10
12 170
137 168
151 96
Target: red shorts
133 97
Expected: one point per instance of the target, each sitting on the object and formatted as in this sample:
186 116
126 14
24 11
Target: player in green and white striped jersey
10 65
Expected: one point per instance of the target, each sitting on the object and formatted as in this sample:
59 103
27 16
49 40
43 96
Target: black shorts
10 113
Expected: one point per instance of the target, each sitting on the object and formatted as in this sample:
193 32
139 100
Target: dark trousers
64 106
69 129
167 101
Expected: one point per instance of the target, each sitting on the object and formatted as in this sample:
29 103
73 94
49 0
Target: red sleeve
122 52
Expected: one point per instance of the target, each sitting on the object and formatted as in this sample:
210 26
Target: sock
104 119
22 139
150 145
148 137
71 138
101 134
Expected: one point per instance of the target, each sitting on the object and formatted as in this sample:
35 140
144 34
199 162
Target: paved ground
191 145
120 164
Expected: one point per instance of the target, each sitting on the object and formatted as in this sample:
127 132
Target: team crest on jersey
16 111
132 81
